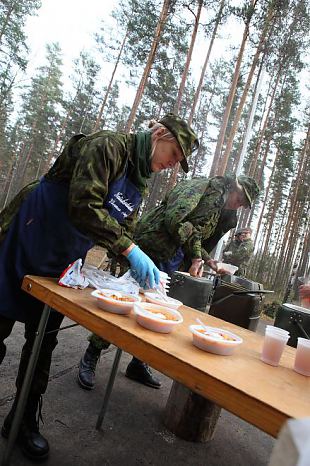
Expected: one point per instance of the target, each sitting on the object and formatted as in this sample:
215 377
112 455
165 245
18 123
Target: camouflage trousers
98 342
41 375
102 344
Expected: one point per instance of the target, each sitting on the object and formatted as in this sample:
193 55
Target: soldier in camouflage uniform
189 216
91 195
182 231
239 251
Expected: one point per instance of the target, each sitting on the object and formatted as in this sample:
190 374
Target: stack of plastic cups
274 344
302 358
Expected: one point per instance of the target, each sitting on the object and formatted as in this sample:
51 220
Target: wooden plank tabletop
262 395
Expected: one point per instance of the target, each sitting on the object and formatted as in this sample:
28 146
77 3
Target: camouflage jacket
241 252
187 217
89 164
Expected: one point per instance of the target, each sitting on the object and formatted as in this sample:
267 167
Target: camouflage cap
246 230
238 232
183 133
250 188
243 230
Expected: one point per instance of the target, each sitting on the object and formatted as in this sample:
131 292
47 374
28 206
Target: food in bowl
157 318
218 335
156 298
115 301
127 299
215 340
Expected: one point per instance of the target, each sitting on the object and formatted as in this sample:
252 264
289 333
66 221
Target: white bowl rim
238 341
95 293
149 294
138 310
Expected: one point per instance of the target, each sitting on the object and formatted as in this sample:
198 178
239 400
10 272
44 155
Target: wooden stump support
189 415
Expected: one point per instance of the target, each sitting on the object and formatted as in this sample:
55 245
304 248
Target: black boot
141 372
32 443
87 367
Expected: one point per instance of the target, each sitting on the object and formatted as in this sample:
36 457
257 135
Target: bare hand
213 264
196 269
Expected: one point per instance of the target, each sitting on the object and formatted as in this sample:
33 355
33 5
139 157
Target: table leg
108 389
26 386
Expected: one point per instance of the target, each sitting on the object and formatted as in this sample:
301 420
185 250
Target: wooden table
260 394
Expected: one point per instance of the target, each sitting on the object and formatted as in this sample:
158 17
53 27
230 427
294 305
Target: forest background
237 71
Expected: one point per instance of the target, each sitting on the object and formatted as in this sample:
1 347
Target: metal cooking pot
192 291
295 319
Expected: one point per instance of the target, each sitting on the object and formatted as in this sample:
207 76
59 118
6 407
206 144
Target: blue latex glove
143 268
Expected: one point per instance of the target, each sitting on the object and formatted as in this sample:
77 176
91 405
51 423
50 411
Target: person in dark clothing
91 195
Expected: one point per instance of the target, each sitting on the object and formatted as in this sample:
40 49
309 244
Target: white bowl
153 297
212 342
231 269
151 316
107 303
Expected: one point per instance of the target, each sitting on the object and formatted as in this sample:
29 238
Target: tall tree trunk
238 162
231 95
99 116
279 233
265 199
154 191
262 41
188 58
23 175
150 61
175 171
9 181
197 154
7 18
203 71
269 226
262 132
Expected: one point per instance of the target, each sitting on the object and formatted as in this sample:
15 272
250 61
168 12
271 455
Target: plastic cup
274 343
229 268
302 358
282 331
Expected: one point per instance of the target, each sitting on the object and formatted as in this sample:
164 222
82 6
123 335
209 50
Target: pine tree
39 119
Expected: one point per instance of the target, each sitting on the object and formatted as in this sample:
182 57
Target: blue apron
173 264
41 239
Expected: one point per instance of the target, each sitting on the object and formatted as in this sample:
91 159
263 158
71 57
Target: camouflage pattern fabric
183 133
194 210
241 254
227 221
250 187
89 164
98 342
187 217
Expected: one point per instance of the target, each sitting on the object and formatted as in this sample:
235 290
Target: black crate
295 319
193 292
243 310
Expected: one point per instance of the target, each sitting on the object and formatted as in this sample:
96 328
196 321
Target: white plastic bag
101 279
72 276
